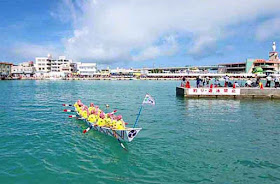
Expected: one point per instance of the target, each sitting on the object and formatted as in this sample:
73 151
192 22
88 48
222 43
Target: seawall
238 93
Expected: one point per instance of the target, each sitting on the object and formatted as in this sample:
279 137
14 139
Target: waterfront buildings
86 69
186 69
251 66
5 69
26 69
262 66
48 66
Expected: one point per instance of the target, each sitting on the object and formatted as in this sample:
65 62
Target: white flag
149 100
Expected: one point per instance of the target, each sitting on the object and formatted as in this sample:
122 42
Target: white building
62 65
86 69
25 69
43 64
54 67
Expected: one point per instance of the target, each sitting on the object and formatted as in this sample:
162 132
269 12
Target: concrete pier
238 93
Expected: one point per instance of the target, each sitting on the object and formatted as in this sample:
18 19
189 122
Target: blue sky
137 33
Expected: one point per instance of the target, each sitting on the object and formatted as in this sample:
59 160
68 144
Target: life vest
79 110
92 118
108 122
119 125
101 122
84 114
76 105
114 124
90 109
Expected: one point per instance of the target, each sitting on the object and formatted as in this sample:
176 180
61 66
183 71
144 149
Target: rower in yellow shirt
85 112
120 125
101 121
108 120
91 107
92 118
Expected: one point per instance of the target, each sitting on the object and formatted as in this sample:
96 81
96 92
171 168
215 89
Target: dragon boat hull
126 135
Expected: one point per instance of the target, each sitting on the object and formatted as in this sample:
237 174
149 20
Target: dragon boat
124 135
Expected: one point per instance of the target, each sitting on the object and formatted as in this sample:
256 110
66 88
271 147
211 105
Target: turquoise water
182 141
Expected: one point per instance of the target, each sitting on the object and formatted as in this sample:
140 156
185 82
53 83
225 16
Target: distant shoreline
118 78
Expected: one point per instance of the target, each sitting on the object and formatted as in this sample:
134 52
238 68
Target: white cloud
202 45
28 51
110 30
167 48
268 29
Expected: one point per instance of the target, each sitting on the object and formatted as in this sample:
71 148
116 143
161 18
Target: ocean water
182 141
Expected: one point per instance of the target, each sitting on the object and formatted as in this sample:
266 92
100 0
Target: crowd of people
95 115
225 82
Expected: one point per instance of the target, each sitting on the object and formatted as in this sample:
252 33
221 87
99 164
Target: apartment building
26 69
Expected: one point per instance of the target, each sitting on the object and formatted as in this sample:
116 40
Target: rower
114 122
120 124
80 104
97 110
79 109
92 118
108 120
85 112
76 105
91 107
101 121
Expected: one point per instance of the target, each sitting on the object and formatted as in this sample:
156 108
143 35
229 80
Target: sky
139 33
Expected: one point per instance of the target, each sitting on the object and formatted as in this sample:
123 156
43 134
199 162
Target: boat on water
126 135
108 124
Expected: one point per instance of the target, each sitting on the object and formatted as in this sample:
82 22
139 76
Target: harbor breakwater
243 92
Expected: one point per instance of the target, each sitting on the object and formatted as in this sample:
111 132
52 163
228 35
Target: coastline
118 78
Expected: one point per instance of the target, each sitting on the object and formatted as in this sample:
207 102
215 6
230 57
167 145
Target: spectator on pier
216 82
268 81
226 80
236 84
207 81
248 83
276 81
203 81
198 79
183 83
258 81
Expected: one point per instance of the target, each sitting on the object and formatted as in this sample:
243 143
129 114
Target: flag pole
138 116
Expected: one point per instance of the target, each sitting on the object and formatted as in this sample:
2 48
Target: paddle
86 130
68 110
122 145
114 112
72 116
67 105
